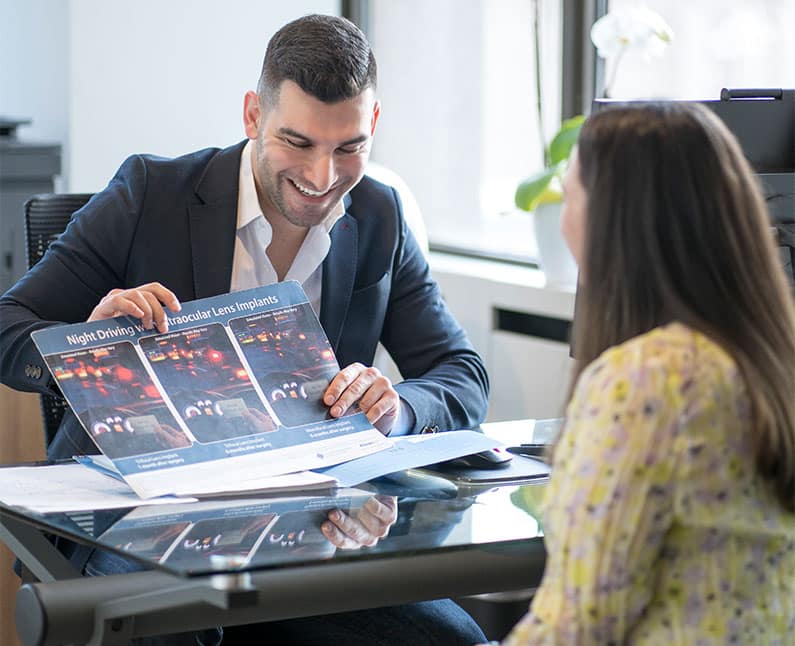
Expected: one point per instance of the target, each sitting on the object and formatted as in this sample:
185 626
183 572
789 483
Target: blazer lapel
213 223
339 271
213 228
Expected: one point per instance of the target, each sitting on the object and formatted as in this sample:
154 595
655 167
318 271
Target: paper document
68 487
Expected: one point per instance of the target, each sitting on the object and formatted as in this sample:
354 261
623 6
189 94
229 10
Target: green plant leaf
530 190
561 145
529 499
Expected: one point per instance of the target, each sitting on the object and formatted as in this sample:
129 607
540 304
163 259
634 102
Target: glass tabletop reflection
426 513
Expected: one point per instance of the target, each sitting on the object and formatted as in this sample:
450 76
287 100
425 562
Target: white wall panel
529 374
529 377
34 69
163 77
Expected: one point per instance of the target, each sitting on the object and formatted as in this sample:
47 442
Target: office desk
245 559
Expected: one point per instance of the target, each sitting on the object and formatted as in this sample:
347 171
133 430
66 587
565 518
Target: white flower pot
556 259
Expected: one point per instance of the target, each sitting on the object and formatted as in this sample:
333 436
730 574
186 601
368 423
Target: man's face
307 153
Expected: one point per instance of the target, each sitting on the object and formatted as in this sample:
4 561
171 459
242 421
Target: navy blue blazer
174 221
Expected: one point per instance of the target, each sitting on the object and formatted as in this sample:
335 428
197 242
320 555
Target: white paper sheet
408 452
69 487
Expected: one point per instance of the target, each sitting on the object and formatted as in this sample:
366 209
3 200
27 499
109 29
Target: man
289 203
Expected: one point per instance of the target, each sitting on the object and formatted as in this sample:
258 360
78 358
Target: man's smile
308 191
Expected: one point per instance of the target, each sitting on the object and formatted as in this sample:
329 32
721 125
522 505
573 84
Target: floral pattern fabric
658 529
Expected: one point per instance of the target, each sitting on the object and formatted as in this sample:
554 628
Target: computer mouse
414 482
496 458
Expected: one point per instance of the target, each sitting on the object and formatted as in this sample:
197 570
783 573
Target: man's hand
373 391
144 302
363 527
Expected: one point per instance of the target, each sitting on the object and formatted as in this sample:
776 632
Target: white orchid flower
637 29
631 28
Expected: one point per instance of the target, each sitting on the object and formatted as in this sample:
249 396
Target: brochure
232 393
409 452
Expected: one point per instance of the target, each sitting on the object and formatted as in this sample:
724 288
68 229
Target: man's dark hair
328 57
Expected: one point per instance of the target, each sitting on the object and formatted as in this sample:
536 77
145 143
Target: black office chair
46 216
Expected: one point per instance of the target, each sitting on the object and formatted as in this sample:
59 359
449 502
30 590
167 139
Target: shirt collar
247 202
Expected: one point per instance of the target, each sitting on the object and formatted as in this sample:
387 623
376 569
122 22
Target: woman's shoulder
661 383
676 361
674 347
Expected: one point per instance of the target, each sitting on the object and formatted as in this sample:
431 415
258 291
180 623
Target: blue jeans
430 623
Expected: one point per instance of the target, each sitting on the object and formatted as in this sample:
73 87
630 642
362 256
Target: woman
671 511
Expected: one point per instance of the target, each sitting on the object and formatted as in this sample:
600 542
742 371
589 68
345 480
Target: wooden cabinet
21 440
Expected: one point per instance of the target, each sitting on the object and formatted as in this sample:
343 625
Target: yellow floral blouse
657 528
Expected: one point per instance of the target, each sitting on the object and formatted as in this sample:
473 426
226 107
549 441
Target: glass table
240 559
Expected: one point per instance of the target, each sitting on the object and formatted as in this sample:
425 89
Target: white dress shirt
251 266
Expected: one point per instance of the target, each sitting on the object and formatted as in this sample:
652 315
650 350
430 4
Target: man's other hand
144 302
370 389
362 527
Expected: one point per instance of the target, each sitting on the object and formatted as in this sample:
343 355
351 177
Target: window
459 119
717 44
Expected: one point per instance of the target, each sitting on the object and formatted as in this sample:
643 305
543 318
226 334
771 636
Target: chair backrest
46 216
411 208
414 221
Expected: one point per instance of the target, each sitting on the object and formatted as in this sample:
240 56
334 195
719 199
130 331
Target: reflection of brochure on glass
250 533
231 393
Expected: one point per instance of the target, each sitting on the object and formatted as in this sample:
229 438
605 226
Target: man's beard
274 186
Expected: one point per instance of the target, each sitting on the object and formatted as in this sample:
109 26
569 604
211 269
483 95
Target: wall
107 79
34 71
163 77
33 65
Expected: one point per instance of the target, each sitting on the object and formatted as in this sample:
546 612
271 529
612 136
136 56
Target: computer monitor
764 123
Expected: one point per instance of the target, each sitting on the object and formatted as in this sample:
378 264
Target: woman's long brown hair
677 230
